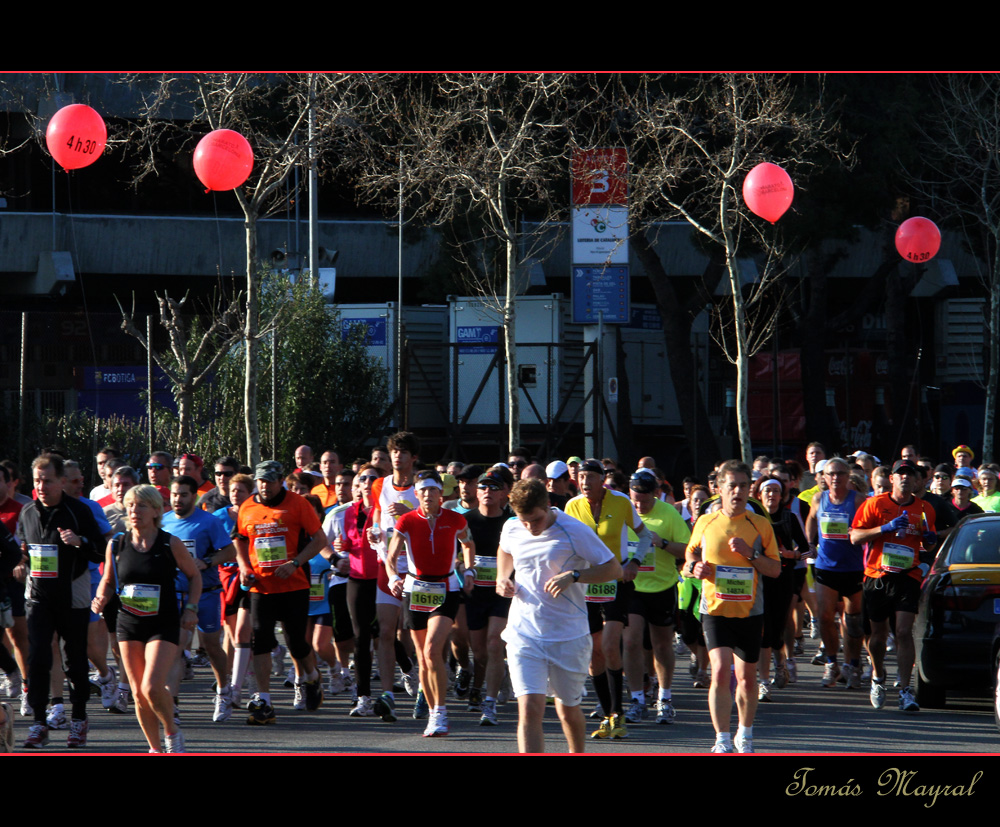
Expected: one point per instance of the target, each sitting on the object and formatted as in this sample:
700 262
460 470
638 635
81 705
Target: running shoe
793 672
907 703
437 726
636 712
475 700
743 745
763 692
665 712
820 657
174 743
7 729
797 648
877 694
618 728
201 659
364 708
720 748
890 643
852 677
56 718
278 660
26 710
813 628
335 683
260 713
120 703
411 681
506 689
420 708
314 694
188 669
300 697
489 714
780 676
830 674
14 684
38 736
290 678
109 688
598 713
385 706
77 733
603 731
463 681
702 680
223 706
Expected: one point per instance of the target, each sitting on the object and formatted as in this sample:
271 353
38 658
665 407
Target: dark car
956 625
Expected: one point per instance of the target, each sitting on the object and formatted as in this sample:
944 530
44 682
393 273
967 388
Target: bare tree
961 180
192 357
490 147
271 112
693 142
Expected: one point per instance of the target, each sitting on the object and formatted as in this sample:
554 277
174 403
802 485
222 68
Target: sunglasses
225 473
368 478
155 466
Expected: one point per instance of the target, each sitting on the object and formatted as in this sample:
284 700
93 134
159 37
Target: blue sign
600 293
477 338
375 330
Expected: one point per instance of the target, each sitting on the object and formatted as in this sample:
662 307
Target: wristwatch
576 576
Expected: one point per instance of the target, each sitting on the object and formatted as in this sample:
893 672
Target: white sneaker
300 697
877 694
174 743
665 712
411 681
57 717
109 688
437 725
223 706
26 710
763 691
830 674
721 748
636 712
365 708
743 745
852 676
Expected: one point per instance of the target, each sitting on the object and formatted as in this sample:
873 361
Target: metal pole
149 382
21 390
313 188
274 394
399 296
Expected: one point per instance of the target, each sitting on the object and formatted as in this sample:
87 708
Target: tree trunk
252 345
510 345
185 402
993 368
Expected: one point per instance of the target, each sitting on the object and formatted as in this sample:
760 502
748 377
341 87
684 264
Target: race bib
833 526
426 597
486 571
734 582
44 559
271 551
190 546
317 590
141 599
601 592
896 557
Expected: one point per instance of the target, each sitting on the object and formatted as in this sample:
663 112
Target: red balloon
768 191
918 239
223 159
76 136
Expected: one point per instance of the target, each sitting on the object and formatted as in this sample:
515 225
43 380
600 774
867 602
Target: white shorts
545 668
383 599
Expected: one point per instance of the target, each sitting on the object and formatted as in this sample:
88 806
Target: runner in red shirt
430 591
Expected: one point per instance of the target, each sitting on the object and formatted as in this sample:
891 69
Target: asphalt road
803 718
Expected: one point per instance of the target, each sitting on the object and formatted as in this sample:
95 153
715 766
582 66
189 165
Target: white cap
556 469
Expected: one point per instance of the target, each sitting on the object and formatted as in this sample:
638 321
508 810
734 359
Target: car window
976 543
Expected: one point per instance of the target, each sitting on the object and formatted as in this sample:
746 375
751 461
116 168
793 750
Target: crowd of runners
520 579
